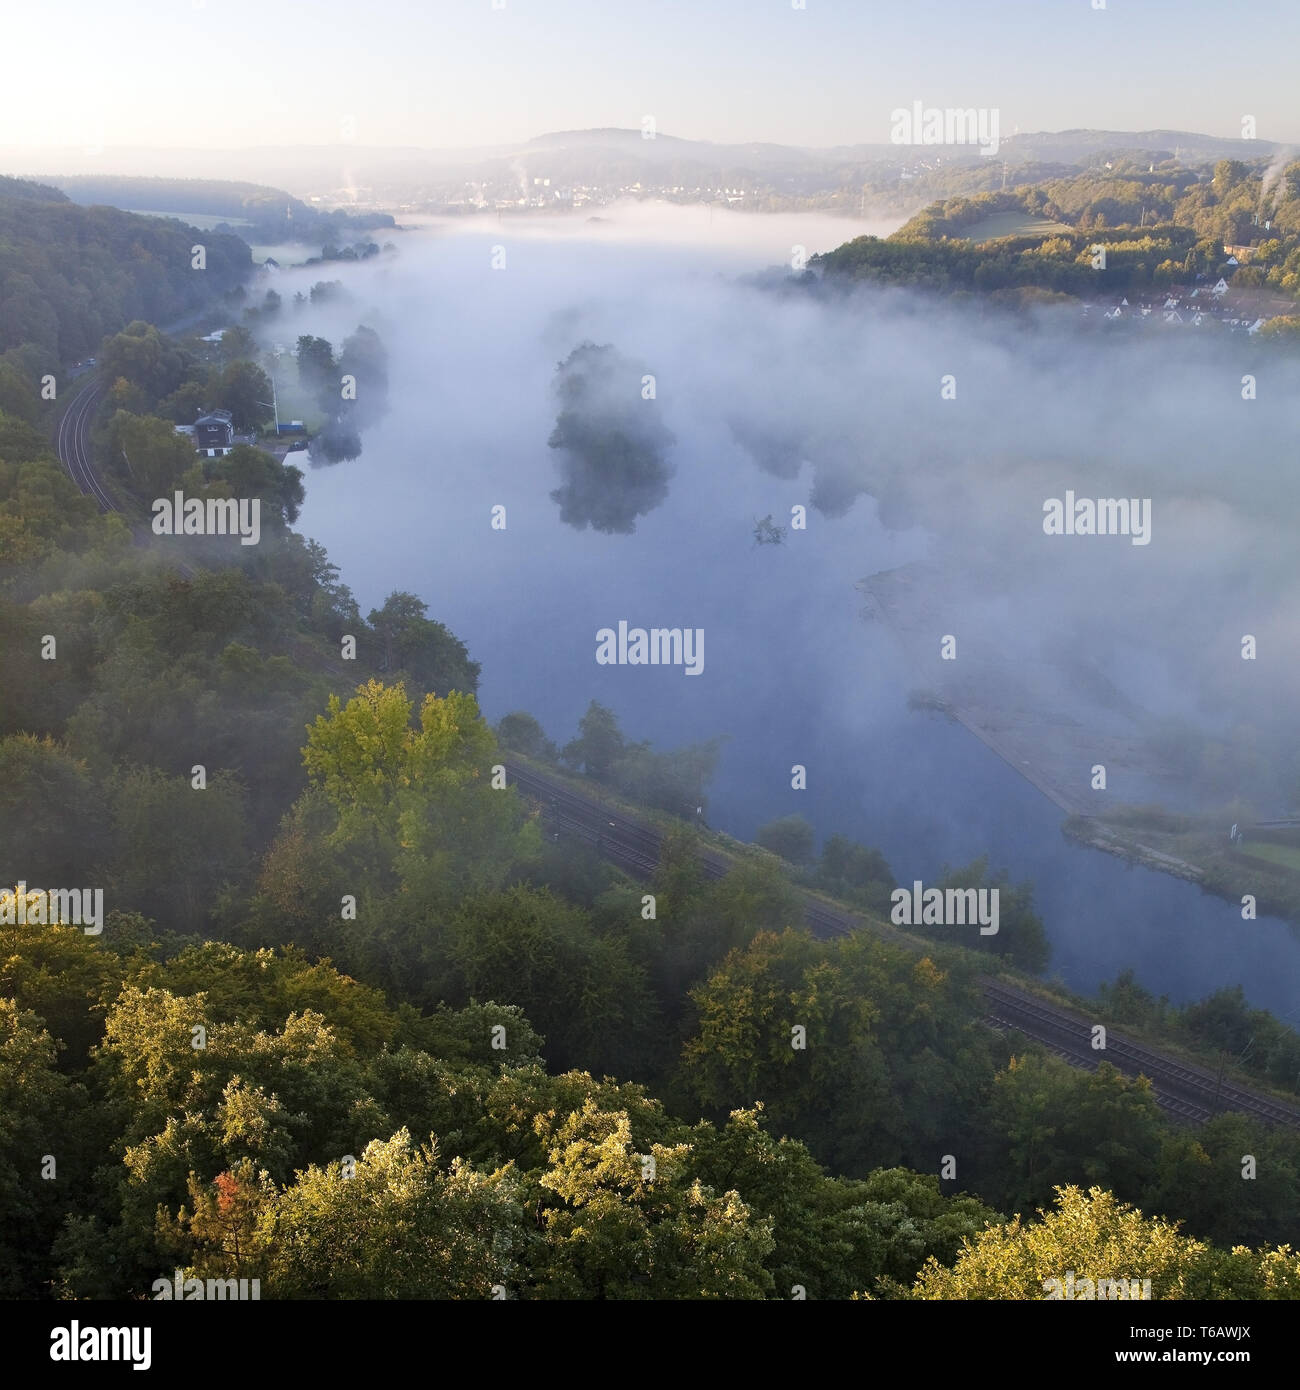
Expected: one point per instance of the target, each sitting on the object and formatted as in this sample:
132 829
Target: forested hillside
69 275
1160 227
271 214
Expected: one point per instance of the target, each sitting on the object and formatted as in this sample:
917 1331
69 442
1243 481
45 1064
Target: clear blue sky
225 73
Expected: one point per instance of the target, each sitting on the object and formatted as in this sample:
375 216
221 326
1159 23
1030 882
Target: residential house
214 433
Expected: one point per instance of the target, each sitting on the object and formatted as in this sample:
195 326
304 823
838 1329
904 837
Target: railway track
1189 1093
1195 1086
1070 1037
72 442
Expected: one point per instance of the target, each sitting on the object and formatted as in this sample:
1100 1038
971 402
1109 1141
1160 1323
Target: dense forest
68 275
356 1027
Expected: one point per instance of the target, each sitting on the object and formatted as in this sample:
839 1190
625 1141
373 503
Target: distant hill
1082 147
1064 149
270 214
30 189
898 176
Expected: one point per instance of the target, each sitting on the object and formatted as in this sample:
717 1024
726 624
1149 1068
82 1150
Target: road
1187 1092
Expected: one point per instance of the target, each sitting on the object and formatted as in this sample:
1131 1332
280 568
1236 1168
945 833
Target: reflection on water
795 674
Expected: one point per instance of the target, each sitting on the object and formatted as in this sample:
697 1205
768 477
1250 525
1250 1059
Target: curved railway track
72 442
1187 1092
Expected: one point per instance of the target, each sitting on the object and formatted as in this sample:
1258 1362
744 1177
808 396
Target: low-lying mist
671 503
911 429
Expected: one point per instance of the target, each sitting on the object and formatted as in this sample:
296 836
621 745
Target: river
794 673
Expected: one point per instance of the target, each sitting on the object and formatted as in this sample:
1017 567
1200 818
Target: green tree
363 358
18 395
791 837
51 811
63 976
865 1051
318 373
1228 173
40 1112
614 1231
424 651
528 948
416 805
673 781
599 743
174 848
832 1235
251 472
244 389
856 873
521 733
399 1226
145 358
1094 1237
1049 1123
148 452
237 344
1021 938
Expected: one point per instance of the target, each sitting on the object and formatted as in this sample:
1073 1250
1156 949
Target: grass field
202 221
284 253
1000 224
1287 856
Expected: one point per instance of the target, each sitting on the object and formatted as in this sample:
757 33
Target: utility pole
274 403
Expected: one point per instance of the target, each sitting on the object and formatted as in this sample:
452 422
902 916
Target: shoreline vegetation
1125 1003
1197 848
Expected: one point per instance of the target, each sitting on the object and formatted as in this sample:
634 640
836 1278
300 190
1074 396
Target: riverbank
1098 834
1035 721
1053 722
1199 850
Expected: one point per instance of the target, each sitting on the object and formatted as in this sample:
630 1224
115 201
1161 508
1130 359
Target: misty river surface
793 671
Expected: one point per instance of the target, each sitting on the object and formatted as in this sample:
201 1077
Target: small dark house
214 433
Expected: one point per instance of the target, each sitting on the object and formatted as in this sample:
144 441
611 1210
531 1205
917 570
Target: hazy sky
222 73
